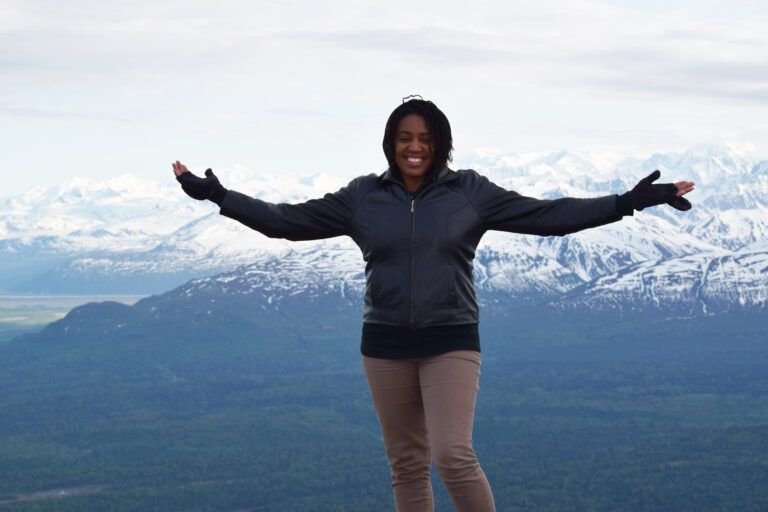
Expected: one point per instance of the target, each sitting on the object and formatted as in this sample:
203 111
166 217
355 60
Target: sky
98 89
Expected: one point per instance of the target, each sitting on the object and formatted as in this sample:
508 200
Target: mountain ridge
123 235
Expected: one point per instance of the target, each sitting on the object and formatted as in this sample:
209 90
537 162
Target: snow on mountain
546 175
747 193
126 227
606 249
127 213
330 270
732 229
758 246
127 230
689 285
82 215
708 165
515 265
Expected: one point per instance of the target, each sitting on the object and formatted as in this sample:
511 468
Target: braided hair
437 124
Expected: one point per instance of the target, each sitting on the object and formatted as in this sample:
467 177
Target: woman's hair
437 124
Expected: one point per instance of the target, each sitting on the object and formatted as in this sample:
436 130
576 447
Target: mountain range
128 235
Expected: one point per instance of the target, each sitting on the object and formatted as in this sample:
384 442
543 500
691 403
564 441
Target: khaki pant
426 407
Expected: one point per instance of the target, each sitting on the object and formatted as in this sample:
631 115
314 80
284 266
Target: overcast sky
102 88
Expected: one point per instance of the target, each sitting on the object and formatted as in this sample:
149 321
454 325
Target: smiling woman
418 225
414 151
417 139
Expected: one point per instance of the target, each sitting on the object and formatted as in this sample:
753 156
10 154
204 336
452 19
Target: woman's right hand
179 168
197 187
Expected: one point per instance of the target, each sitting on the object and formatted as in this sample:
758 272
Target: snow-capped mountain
688 285
128 235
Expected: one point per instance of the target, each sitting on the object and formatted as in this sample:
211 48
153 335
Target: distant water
61 301
27 313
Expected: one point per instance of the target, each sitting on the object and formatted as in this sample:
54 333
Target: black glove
202 188
647 194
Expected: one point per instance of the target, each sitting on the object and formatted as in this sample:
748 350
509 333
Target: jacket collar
392 174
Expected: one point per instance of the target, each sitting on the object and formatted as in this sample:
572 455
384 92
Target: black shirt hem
398 342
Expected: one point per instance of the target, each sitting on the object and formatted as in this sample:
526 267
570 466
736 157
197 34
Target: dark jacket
419 247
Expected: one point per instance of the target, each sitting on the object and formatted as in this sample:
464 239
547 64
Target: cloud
41 113
155 48
231 77
431 44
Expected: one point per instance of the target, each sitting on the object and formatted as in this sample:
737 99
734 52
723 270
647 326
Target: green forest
573 414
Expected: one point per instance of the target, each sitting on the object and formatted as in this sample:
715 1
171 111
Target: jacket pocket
389 285
436 286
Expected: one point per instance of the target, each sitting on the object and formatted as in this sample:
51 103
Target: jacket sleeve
505 210
325 217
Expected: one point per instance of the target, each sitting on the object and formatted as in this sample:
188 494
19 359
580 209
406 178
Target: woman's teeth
413 160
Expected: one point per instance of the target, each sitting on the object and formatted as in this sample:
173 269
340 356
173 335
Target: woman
417 225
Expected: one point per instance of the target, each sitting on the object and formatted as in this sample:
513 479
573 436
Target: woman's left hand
683 187
646 193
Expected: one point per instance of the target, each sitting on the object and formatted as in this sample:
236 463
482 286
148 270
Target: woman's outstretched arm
325 217
506 210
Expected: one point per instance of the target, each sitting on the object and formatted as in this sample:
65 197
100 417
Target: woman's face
414 150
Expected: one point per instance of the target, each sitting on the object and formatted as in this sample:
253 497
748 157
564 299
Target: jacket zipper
413 261
413 251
